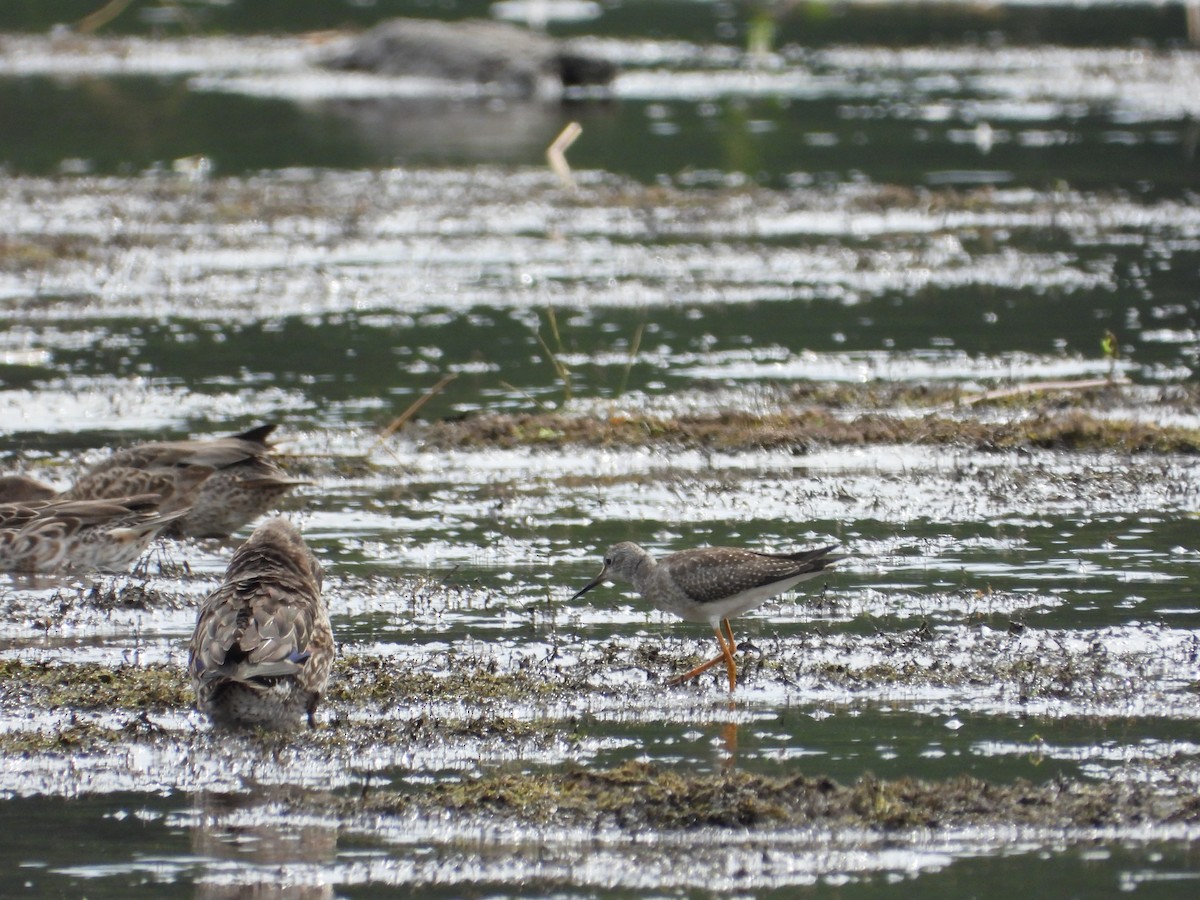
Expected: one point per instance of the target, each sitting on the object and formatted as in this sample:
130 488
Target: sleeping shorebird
55 535
226 482
263 646
711 584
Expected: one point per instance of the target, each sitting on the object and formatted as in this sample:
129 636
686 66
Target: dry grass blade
94 21
560 368
509 386
552 319
634 346
400 420
556 153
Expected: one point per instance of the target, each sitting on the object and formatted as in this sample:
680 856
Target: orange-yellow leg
727 651
716 659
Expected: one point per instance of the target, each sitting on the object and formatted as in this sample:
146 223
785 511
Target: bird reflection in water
250 852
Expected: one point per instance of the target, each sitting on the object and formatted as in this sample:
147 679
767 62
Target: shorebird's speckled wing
256 627
79 534
17 515
23 489
216 453
263 647
174 485
712 574
227 481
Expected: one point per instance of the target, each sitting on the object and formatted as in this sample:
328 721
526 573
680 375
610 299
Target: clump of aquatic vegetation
804 429
89 686
639 796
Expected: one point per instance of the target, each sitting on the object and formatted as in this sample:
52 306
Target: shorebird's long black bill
598 580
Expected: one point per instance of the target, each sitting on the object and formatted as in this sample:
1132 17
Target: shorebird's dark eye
608 560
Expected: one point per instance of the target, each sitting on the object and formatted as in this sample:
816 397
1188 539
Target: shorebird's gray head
620 562
276 545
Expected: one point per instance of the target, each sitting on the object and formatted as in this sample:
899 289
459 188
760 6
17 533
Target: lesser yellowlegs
710 584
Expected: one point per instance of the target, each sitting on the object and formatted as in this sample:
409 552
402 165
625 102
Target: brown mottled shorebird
23 489
50 536
710 584
263 647
226 482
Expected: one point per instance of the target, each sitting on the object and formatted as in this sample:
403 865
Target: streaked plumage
175 486
226 482
52 536
23 489
710 584
263 647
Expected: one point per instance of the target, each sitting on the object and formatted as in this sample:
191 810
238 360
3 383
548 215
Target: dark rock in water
578 69
518 61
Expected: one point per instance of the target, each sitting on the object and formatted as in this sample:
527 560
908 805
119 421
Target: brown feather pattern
51 536
225 482
714 573
263 646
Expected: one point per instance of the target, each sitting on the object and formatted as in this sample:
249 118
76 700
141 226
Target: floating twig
508 385
1032 387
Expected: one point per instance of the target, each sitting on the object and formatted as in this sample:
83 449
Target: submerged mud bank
641 796
571 690
474 713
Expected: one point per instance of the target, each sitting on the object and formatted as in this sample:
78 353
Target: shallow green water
838 216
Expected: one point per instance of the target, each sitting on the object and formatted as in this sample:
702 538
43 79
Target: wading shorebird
52 536
225 482
263 647
710 584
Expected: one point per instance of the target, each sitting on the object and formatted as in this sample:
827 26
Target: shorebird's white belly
735 604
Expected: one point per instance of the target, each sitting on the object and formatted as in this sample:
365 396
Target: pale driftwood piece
556 153
1031 387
